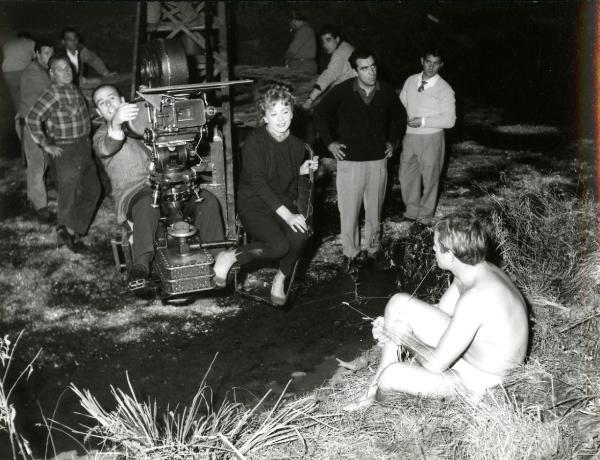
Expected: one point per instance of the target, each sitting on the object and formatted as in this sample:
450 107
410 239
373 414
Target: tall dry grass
547 240
19 446
136 429
414 261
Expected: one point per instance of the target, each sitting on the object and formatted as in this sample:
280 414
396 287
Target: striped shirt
62 111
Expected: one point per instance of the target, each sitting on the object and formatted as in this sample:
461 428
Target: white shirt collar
430 83
73 57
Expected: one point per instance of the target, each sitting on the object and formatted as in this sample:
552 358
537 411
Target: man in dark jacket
366 114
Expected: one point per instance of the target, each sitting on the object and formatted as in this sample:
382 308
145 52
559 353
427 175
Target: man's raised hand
124 113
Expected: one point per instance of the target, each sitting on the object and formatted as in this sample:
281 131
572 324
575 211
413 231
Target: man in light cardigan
430 107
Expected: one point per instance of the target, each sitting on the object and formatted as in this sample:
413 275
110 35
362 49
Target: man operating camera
126 161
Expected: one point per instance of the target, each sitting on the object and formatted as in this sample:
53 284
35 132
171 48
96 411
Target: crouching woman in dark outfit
272 161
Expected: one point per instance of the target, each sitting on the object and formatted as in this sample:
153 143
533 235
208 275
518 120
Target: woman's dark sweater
270 171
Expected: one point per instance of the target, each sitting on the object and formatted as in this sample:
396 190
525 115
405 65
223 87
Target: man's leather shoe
44 216
349 264
63 237
76 244
409 220
377 261
137 279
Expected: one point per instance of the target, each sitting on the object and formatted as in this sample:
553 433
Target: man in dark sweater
359 121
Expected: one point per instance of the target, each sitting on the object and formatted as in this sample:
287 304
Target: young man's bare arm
449 299
465 323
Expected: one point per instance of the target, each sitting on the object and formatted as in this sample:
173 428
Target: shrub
136 430
547 241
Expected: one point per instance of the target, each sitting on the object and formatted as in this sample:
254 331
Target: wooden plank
228 126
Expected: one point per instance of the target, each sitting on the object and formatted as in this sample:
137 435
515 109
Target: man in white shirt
338 70
430 107
80 56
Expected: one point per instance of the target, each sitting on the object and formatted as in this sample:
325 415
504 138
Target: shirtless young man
469 341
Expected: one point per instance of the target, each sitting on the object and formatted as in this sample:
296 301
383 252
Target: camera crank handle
198 199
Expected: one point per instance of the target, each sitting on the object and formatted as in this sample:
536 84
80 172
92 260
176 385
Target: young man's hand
337 150
389 149
307 104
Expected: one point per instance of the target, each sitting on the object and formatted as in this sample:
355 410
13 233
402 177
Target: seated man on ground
126 161
469 341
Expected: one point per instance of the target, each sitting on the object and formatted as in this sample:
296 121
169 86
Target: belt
70 141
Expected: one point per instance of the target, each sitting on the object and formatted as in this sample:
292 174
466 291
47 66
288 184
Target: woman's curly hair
273 93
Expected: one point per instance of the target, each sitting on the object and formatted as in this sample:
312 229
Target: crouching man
469 341
126 161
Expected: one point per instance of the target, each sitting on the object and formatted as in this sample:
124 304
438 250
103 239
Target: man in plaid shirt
60 124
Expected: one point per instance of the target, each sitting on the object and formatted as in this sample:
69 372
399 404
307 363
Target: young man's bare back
477 332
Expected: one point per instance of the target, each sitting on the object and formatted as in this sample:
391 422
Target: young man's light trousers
421 164
36 170
360 182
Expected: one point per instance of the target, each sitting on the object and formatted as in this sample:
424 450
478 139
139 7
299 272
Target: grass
548 242
135 429
547 408
19 446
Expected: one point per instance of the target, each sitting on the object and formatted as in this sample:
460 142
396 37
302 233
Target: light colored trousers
36 170
421 164
358 183
13 84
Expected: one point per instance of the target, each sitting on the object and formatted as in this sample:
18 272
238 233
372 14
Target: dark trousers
272 239
145 222
78 185
206 215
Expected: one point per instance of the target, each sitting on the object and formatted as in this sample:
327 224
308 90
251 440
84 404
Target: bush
546 238
416 269
135 428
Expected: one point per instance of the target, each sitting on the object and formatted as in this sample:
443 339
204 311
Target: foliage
544 234
135 429
416 269
500 428
19 445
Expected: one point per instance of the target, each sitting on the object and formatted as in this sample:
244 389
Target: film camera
187 154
